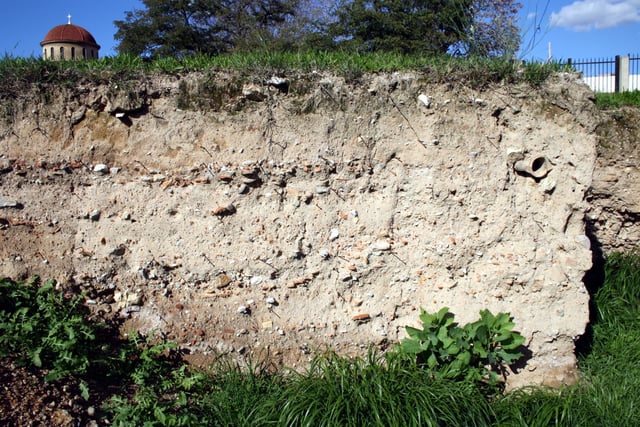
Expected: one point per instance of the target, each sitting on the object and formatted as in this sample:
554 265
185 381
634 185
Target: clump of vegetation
373 391
612 367
39 327
478 352
19 74
442 382
609 101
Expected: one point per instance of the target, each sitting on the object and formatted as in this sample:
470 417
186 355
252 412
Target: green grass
607 101
375 391
155 388
15 72
612 368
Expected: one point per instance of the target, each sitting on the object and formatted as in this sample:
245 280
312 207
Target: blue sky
575 28
580 28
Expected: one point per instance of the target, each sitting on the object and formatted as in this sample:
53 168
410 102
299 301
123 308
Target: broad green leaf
413 332
432 361
453 349
412 346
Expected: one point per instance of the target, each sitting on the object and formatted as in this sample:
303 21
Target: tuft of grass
540 406
609 101
535 73
612 368
376 391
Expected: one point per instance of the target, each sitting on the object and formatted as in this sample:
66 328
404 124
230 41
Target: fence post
622 73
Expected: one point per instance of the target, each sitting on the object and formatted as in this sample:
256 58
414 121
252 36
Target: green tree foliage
494 31
309 29
178 28
183 27
405 26
481 28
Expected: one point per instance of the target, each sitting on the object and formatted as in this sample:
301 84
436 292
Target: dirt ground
321 214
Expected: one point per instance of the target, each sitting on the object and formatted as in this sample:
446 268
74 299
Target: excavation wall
290 214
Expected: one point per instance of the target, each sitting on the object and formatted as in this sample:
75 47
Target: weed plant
41 328
478 352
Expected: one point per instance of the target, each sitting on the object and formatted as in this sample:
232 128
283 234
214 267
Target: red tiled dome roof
69 33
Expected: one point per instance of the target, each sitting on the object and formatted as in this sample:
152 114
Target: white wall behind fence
607 83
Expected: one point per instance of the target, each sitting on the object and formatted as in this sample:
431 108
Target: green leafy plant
478 351
163 386
42 328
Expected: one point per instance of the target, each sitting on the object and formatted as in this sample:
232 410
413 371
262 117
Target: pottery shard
299 281
229 209
225 176
361 317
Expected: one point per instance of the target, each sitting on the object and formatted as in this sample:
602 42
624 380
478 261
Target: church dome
69 33
69 42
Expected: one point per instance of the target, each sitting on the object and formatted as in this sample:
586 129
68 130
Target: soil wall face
290 214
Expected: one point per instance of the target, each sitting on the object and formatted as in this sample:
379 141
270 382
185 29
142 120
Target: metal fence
618 74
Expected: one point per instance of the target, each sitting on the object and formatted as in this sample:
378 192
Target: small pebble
101 168
382 245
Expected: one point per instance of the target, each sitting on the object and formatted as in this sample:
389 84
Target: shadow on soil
593 281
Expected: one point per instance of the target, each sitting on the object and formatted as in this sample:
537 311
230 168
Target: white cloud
586 15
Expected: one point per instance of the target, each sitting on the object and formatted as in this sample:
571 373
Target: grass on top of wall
15 72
